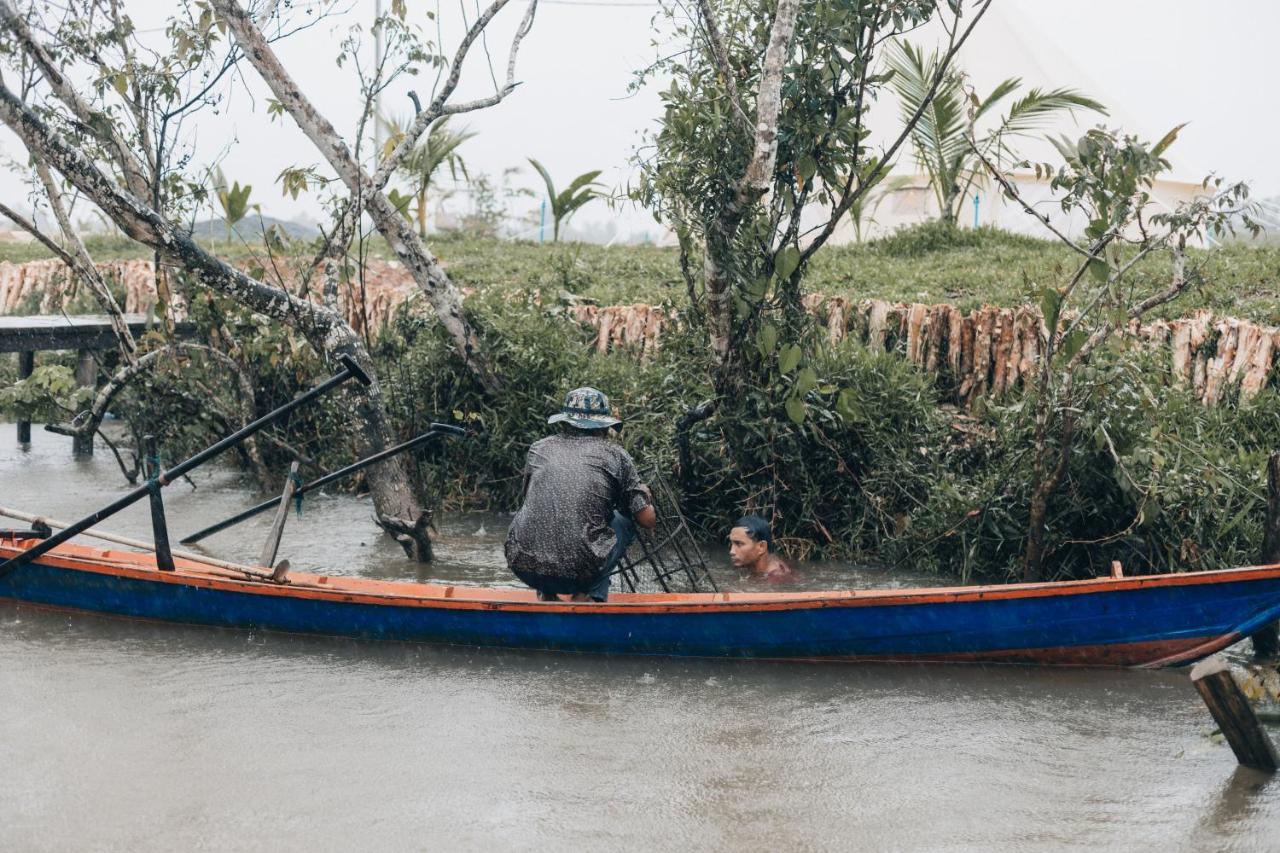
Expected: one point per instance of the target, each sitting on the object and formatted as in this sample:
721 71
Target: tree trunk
398 511
757 178
1033 556
1046 483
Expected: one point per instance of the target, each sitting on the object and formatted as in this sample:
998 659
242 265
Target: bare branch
82 264
470 106
722 61
30 227
94 122
1012 192
438 106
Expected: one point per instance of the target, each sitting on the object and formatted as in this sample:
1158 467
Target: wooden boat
1145 621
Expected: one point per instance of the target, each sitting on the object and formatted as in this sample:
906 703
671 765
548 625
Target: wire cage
667 558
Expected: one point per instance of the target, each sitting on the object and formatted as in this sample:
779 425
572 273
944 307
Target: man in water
751 548
582 500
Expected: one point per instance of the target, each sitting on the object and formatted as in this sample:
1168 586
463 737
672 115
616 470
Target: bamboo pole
136 543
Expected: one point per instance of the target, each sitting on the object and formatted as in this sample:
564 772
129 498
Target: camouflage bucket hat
585 408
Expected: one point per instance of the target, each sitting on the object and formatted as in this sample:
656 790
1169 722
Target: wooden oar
435 429
138 543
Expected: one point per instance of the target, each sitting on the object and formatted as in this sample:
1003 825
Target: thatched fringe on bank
989 350
47 284
986 351
637 327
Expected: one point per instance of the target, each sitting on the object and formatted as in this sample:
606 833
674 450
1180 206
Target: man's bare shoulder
776 568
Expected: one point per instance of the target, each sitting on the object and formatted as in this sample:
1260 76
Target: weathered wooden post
1234 715
272 545
26 364
86 377
159 527
1266 641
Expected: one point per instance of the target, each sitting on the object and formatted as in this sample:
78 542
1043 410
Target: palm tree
941 138
563 205
438 148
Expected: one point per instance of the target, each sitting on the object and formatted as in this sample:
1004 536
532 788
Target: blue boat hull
1134 621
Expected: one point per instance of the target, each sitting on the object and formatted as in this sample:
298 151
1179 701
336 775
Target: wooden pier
84 333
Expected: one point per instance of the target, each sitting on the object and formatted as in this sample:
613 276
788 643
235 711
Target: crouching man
581 503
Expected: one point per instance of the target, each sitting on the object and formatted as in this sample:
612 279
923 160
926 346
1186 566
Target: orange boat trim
131 564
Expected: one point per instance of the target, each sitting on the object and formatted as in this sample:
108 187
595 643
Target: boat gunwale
353 590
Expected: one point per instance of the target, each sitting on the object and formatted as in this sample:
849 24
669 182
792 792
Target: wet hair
757 528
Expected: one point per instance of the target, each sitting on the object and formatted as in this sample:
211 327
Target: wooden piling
159 527
272 545
1266 641
1234 715
86 377
26 364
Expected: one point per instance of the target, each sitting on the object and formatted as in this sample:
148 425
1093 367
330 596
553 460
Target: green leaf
1071 343
806 380
806 169
786 262
847 405
1050 305
121 81
1166 140
788 358
767 339
795 410
1099 270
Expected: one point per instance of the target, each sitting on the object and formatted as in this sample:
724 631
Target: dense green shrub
846 478
1156 480
916 241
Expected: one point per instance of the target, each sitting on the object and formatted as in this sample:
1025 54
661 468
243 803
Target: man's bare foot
580 596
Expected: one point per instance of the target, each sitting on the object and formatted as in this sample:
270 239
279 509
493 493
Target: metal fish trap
667 558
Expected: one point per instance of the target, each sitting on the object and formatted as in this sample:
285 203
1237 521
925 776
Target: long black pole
320 482
349 370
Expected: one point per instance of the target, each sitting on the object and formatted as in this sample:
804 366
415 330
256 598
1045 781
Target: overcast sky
1155 64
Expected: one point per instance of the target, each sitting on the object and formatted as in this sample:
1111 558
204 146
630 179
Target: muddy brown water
125 735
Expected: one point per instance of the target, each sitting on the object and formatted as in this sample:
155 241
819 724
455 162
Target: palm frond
1034 109
546 178
1001 91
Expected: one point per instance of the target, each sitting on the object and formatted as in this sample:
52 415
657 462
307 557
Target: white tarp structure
1153 65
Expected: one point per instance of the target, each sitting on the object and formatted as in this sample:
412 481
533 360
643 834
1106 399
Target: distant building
914 202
